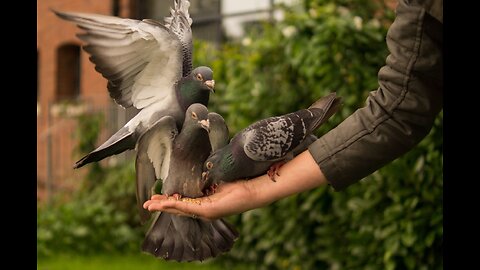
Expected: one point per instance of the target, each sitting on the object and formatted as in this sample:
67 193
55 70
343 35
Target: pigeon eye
209 165
199 77
194 115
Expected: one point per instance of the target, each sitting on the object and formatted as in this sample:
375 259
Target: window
68 72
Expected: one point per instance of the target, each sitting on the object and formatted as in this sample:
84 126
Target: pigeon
219 133
266 144
219 136
148 65
176 158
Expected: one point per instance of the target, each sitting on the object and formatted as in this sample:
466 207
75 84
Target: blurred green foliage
86 134
286 66
103 219
392 219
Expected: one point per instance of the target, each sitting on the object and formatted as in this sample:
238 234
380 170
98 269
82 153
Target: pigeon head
197 116
219 167
219 133
204 76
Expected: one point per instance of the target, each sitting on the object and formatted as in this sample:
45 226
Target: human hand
228 199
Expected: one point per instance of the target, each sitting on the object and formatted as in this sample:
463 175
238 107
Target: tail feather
226 232
182 239
121 141
328 105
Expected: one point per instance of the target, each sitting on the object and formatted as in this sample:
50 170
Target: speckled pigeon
178 160
266 144
148 65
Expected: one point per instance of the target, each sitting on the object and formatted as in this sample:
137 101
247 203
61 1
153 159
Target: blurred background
269 57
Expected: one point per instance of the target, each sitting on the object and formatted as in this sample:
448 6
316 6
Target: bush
101 216
391 219
102 220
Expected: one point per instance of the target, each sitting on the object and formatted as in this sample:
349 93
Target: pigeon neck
228 165
193 138
190 91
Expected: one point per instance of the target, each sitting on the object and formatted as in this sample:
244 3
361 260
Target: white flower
289 31
375 23
246 41
357 21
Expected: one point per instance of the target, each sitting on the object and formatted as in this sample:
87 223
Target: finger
179 208
158 197
147 204
166 207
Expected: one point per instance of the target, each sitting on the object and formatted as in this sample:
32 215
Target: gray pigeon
218 133
267 144
148 65
178 160
219 136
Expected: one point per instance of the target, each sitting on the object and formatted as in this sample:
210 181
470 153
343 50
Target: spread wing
141 60
179 22
153 158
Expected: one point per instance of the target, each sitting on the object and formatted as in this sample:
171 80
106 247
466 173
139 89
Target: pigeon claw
176 196
210 190
274 170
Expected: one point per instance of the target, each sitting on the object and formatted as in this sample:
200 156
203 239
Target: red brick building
67 85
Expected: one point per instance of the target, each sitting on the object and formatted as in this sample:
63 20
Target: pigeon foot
274 170
210 190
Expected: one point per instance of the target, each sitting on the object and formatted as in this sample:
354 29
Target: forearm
298 175
400 113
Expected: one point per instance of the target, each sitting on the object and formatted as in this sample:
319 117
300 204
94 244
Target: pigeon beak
205 124
204 176
211 85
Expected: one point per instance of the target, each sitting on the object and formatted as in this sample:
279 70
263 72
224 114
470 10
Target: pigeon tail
121 141
329 104
181 238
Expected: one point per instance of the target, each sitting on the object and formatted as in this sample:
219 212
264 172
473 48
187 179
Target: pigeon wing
272 138
153 149
141 60
179 23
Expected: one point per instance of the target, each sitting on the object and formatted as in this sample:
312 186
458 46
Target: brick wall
53 131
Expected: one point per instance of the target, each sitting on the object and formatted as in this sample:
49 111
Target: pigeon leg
211 190
274 170
176 196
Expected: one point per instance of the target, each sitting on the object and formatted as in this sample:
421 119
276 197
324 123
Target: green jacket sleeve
401 112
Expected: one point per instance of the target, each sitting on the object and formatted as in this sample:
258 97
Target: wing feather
180 22
273 138
153 156
134 56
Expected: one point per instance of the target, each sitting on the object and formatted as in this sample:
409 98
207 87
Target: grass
118 262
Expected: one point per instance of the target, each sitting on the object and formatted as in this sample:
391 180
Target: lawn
118 262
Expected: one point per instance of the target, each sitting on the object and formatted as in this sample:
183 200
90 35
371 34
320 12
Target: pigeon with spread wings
148 65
